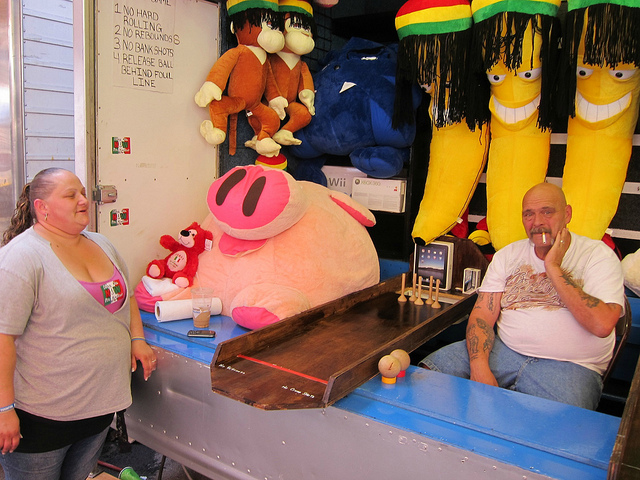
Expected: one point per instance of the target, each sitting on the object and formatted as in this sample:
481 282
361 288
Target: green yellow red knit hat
430 17
484 9
301 7
237 6
255 12
434 42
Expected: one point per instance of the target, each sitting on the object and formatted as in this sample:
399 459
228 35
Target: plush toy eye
532 74
623 74
193 233
231 181
584 72
495 79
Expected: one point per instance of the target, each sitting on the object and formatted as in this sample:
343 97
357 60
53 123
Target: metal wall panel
47 53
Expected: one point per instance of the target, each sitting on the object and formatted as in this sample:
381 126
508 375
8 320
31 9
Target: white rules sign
145 44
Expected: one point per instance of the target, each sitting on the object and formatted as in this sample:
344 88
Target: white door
151 58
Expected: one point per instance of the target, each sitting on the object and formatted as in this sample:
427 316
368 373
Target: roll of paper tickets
167 311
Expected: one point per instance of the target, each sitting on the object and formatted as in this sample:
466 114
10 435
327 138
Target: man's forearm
480 338
593 314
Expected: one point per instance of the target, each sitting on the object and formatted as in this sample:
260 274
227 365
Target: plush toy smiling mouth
594 113
514 116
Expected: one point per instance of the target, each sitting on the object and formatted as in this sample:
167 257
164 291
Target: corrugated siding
48 84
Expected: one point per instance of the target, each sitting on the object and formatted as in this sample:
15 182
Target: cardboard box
380 194
341 178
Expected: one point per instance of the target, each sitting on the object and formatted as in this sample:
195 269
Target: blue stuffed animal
355 92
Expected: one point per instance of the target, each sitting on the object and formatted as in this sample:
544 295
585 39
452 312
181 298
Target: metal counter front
427 425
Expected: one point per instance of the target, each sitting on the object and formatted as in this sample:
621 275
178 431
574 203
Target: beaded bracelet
7 408
137 338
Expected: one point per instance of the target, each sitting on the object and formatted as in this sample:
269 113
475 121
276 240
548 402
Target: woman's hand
140 350
9 431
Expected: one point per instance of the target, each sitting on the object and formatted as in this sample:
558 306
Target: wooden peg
429 300
436 304
402 297
419 300
412 298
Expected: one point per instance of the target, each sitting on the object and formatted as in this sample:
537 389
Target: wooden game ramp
313 359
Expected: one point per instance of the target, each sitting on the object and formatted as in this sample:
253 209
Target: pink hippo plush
282 246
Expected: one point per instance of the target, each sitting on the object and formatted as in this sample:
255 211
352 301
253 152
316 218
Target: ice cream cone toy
402 298
412 298
389 367
419 300
429 299
404 359
436 304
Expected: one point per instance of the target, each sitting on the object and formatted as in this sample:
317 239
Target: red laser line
278 367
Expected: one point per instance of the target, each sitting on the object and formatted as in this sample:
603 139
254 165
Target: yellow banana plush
519 150
433 52
514 39
457 157
599 135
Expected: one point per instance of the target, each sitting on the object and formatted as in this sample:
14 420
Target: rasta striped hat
237 6
484 9
434 42
432 17
513 17
609 29
255 12
301 7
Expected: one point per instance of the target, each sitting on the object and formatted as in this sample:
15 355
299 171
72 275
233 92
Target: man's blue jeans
564 382
73 462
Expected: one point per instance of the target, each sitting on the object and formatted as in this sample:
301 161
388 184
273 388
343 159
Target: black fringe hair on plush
418 63
255 17
489 46
306 21
612 36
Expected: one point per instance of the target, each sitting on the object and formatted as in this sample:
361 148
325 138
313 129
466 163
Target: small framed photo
471 280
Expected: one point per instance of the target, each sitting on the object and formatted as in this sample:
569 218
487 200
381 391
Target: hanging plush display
292 76
602 59
244 72
516 41
433 51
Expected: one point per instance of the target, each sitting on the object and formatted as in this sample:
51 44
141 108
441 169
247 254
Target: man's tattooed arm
590 301
473 338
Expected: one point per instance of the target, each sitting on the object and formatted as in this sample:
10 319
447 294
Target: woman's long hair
24 215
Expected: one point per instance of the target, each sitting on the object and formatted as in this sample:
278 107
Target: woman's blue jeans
564 382
73 462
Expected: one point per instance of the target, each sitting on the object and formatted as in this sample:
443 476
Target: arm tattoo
473 340
491 305
490 335
591 301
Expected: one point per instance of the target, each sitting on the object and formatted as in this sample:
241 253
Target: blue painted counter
538 436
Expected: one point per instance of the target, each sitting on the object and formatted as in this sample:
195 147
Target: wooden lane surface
315 358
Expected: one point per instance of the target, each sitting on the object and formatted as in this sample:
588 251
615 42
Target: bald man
555 298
